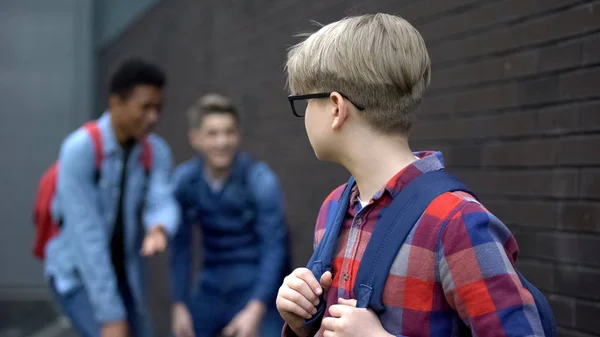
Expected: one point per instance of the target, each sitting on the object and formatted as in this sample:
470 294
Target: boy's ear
114 101
340 110
193 136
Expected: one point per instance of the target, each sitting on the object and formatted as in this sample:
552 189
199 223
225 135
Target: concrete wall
513 104
47 89
46 64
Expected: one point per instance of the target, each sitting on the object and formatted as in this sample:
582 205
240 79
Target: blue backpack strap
322 258
242 169
391 231
544 310
242 164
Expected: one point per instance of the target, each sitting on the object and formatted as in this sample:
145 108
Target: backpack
387 238
46 227
247 162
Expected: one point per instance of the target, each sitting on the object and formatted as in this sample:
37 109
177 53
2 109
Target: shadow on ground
31 319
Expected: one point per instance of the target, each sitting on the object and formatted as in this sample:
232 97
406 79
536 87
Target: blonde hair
379 61
209 104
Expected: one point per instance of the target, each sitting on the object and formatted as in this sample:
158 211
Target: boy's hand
298 297
247 322
349 321
155 241
181 321
115 329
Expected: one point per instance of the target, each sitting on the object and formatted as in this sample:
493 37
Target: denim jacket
80 254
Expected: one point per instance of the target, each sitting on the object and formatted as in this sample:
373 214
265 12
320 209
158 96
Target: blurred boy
113 214
363 79
240 208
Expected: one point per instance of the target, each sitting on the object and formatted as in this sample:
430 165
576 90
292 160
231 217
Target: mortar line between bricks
519 197
447 91
261 18
450 12
538 75
571 331
500 25
532 229
582 300
499 111
261 33
547 293
505 169
580 333
575 298
581 38
563 265
556 203
560 263
484 141
449 63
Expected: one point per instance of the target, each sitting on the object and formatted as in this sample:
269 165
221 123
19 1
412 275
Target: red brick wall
514 105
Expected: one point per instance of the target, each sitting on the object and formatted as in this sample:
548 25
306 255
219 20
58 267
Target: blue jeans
77 307
212 310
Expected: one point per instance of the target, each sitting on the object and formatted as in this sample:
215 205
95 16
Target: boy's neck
217 173
373 167
122 137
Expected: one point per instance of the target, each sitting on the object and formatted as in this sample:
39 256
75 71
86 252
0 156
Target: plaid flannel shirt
467 275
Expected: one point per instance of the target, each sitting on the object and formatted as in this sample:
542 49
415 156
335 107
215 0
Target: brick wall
514 105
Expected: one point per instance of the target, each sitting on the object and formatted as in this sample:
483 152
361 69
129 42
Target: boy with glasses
361 81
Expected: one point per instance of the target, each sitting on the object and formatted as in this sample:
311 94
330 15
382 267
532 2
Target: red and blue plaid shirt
432 287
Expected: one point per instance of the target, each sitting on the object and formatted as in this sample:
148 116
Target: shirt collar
109 139
428 161
238 165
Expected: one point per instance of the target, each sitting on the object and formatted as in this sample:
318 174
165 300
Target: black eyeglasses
301 102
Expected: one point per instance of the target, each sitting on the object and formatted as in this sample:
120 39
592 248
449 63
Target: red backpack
46 227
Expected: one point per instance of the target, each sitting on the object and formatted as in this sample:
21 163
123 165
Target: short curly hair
134 72
211 104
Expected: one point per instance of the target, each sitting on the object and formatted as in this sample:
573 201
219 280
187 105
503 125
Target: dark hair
134 72
211 104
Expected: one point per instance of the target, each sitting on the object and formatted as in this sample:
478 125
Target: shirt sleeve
476 255
272 232
161 208
78 194
180 256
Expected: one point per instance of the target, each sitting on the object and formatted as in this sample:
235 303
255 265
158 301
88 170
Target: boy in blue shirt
115 212
240 208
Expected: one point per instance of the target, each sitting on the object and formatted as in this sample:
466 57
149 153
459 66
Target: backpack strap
546 315
147 156
322 258
94 131
391 231
243 164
